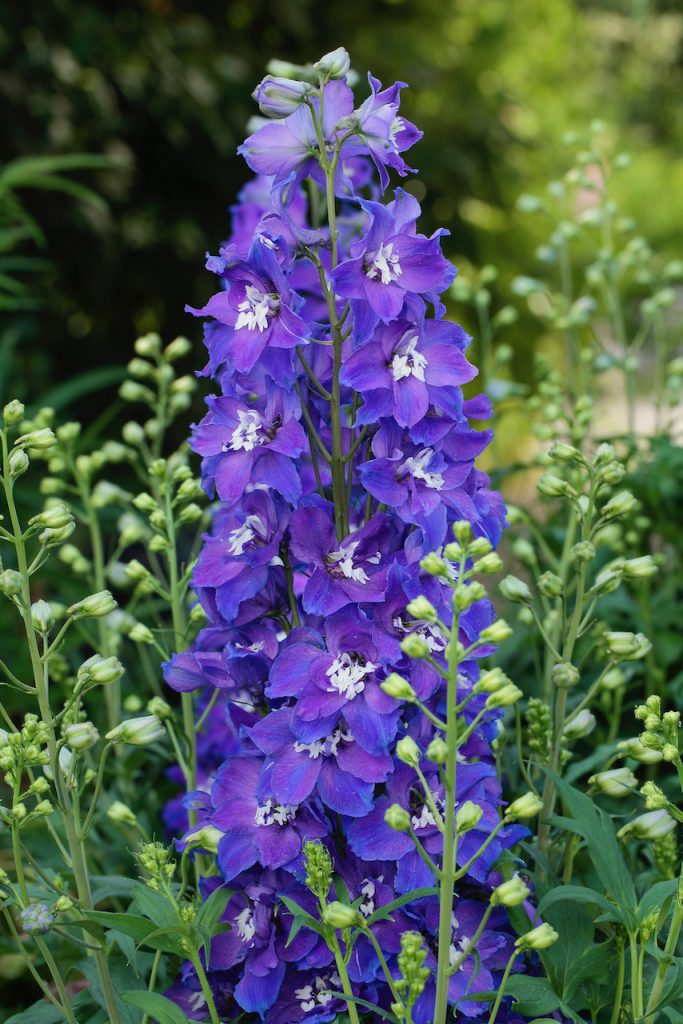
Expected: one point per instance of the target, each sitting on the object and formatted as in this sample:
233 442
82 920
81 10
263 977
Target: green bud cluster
319 868
413 972
538 729
155 861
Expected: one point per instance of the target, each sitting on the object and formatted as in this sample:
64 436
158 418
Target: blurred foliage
165 86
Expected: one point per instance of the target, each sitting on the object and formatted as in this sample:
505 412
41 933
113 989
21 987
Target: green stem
619 991
472 945
636 979
666 961
501 990
206 989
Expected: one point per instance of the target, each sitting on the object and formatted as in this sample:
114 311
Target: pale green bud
99 670
639 568
408 751
121 814
42 617
490 563
397 687
490 681
95 605
564 675
38 440
11 582
159 707
421 608
621 504
138 732
670 752
549 584
434 565
334 64
617 782
629 646
148 345
437 751
580 725
397 818
639 752
132 433
496 633
465 595
467 817
80 735
583 552
566 453
511 893
551 486
613 679
524 552
18 462
415 646
192 513
141 634
526 806
177 348
43 809
655 799
538 938
652 825
13 412
515 590
505 697
338 915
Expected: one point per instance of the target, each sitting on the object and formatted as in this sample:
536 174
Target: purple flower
405 368
242 445
382 132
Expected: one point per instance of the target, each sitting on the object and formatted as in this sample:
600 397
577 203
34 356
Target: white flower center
197 1001
247 435
272 813
397 125
256 308
246 929
255 648
407 361
347 676
368 890
325 747
342 560
425 818
417 467
317 994
245 534
430 633
384 264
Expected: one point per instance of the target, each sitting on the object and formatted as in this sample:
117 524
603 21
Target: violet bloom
406 367
382 132
289 146
341 572
237 560
341 682
385 265
241 445
256 828
257 304
336 768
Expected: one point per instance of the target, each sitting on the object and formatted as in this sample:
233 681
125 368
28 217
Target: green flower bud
408 751
579 726
627 646
207 837
415 646
511 893
465 595
80 735
141 634
132 704
551 486
652 825
138 732
515 590
564 675
549 584
148 344
338 915
526 806
132 391
37 440
192 513
491 681
639 568
462 531
622 504
397 818
422 609
96 605
566 453
159 707
652 741
496 633
538 938
43 809
524 552
177 348
479 547
505 697
655 799
437 751
434 565
583 552
99 670
467 817
669 752
613 679
42 617
318 869
121 814
11 582
334 64
133 434
140 368
18 462
490 563
13 412
617 782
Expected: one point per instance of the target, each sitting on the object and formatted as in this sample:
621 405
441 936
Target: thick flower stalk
345 750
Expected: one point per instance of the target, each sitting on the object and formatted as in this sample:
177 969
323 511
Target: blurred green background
164 86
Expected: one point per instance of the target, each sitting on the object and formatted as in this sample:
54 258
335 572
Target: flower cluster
341 453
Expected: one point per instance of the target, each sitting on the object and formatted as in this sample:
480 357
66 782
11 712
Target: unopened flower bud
479 547
524 552
207 837
141 634
42 617
318 868
421 608
338 915
121 814
37 440
437 751
622 504
670 752
538 938
467 817
613 679
415 646
549 584
628 646
526 806
490 563
159 707
434 565
99 670
580 725
408 751
18 462
638 751
496 633
95 605
334 64
655 798
511 893
11 582
564 675
566 453
62 905
551 486
616 782
80 735
44 808
652 825
280 97
397 818
515 590
13 412
492 680
505 697
639 568
583 552
37 919
138 732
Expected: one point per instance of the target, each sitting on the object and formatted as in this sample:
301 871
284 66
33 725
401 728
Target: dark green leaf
532 995
579 894
411 897
211 911
655 897
155 906
157 1006
130 924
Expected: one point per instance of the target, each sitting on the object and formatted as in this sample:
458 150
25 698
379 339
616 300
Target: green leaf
367 1006
169 940
136 927
65 394
106 886
213 908
301 919
655 897
597 829
532 995
157 1006
411 897
41 1012
155 906
580 894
